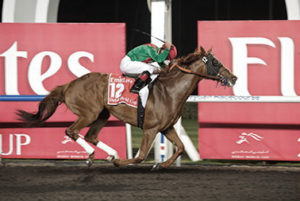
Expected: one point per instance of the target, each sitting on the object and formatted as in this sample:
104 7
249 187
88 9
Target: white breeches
135 67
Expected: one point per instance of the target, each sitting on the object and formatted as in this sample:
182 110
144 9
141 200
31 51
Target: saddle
134 76
118 93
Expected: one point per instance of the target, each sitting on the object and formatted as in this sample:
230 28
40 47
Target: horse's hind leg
74 129
93 132
96 126
173 137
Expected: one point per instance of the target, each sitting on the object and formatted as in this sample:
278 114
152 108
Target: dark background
185 14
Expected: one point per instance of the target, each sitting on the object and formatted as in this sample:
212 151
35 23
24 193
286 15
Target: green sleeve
159 58
143 52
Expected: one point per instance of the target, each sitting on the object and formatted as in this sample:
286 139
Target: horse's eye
215 62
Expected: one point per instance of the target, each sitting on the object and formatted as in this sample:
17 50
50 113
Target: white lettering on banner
11 68
35 77
299 153
10 150
21 140
240 62
74 65
287 66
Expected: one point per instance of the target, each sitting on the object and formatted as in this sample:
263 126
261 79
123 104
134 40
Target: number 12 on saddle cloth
118 91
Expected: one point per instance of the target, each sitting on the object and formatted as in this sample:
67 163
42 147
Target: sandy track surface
74 181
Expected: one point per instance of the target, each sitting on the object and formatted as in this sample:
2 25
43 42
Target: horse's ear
209 51
202 50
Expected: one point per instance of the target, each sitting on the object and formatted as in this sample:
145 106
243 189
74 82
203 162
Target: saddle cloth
119 90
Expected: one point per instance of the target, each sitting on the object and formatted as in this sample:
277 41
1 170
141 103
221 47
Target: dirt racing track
74 181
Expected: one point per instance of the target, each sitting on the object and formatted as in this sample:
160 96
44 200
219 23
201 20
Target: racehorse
87 98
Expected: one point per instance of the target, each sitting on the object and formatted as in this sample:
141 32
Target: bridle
212 69
192 72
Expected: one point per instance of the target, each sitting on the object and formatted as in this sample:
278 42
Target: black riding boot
142 80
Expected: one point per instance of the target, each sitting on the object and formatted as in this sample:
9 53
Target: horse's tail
47 108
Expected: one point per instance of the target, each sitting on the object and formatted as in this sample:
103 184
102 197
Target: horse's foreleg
173 137
148 138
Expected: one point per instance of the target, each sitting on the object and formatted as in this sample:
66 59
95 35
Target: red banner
53 143
264 55
249 144
35 58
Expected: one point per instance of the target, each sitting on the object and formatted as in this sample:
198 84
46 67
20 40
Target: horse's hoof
156 167
89 162
116 162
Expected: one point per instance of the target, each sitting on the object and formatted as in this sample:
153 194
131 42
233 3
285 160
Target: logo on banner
251 147
119 91
69 151
67 139
245 136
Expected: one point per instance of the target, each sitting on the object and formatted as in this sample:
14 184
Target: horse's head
216 70
205 65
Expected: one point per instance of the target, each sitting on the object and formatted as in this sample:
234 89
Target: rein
192 72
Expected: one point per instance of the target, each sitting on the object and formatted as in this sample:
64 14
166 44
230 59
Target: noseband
212 69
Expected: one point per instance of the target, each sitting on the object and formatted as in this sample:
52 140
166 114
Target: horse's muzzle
228 81
231 81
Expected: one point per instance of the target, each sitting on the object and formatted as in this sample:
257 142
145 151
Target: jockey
140 60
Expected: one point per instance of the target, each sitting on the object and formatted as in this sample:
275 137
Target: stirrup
137 86
141 82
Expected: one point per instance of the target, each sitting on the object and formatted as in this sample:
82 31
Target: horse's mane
189 59
183 61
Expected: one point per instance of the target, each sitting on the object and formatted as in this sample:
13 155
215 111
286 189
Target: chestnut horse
87 98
